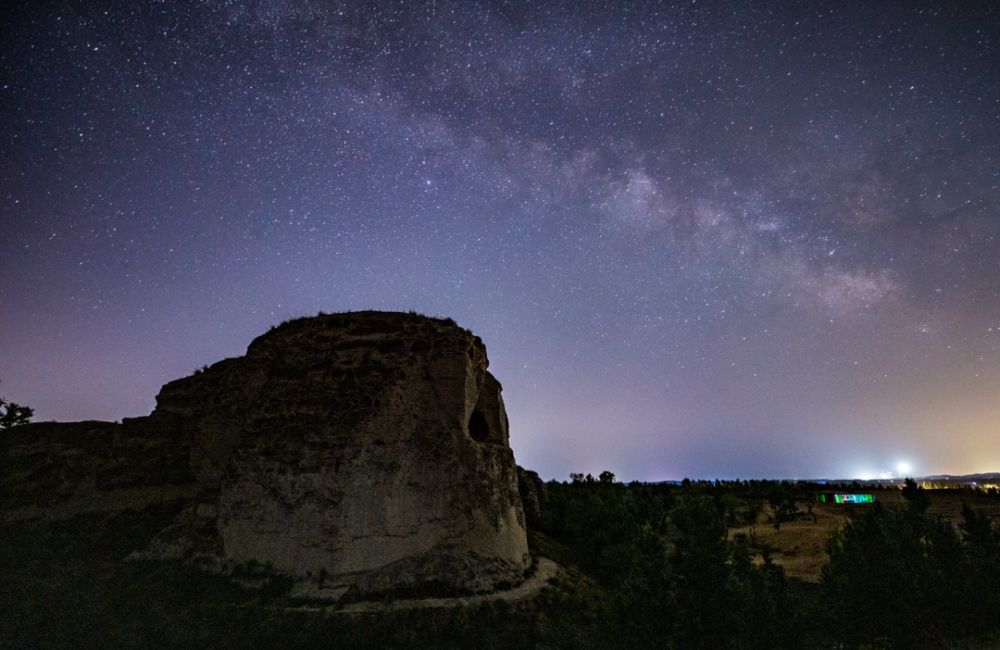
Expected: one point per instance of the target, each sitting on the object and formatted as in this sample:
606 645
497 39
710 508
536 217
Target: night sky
699 239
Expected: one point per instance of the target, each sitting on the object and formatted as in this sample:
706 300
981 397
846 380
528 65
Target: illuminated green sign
853 498
846 498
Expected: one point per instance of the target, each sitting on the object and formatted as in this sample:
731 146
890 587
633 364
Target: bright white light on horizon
904 469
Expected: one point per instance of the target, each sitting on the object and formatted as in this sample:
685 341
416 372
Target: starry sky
699 239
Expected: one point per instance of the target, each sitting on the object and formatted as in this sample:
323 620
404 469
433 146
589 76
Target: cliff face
58 470
369 448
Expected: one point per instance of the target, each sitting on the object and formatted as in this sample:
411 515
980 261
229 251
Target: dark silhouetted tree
873 582
901 574
915 495
981 537
783 505
11 414
721 598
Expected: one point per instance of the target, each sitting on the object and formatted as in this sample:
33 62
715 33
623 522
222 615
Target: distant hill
992 476
967 479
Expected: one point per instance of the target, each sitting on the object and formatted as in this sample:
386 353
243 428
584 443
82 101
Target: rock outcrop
534 494
368 449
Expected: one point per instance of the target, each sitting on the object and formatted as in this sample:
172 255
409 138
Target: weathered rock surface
368 449
534 494
58 470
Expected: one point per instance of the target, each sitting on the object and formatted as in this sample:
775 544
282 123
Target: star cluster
707 240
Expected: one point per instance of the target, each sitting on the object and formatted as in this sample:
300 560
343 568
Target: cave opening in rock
479 429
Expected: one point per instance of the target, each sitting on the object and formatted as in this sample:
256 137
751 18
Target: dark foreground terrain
65 585
695 566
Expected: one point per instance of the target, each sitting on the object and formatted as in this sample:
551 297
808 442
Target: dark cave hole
478 428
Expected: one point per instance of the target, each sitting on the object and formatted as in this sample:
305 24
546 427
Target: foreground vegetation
898 576
646 566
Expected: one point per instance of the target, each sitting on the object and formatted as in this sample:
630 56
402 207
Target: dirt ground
800 545
547 569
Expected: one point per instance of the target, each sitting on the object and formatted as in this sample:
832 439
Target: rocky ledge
366 450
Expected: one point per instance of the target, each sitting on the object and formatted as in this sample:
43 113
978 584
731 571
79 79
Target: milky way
698 239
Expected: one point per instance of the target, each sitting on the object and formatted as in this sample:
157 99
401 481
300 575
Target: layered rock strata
368 449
